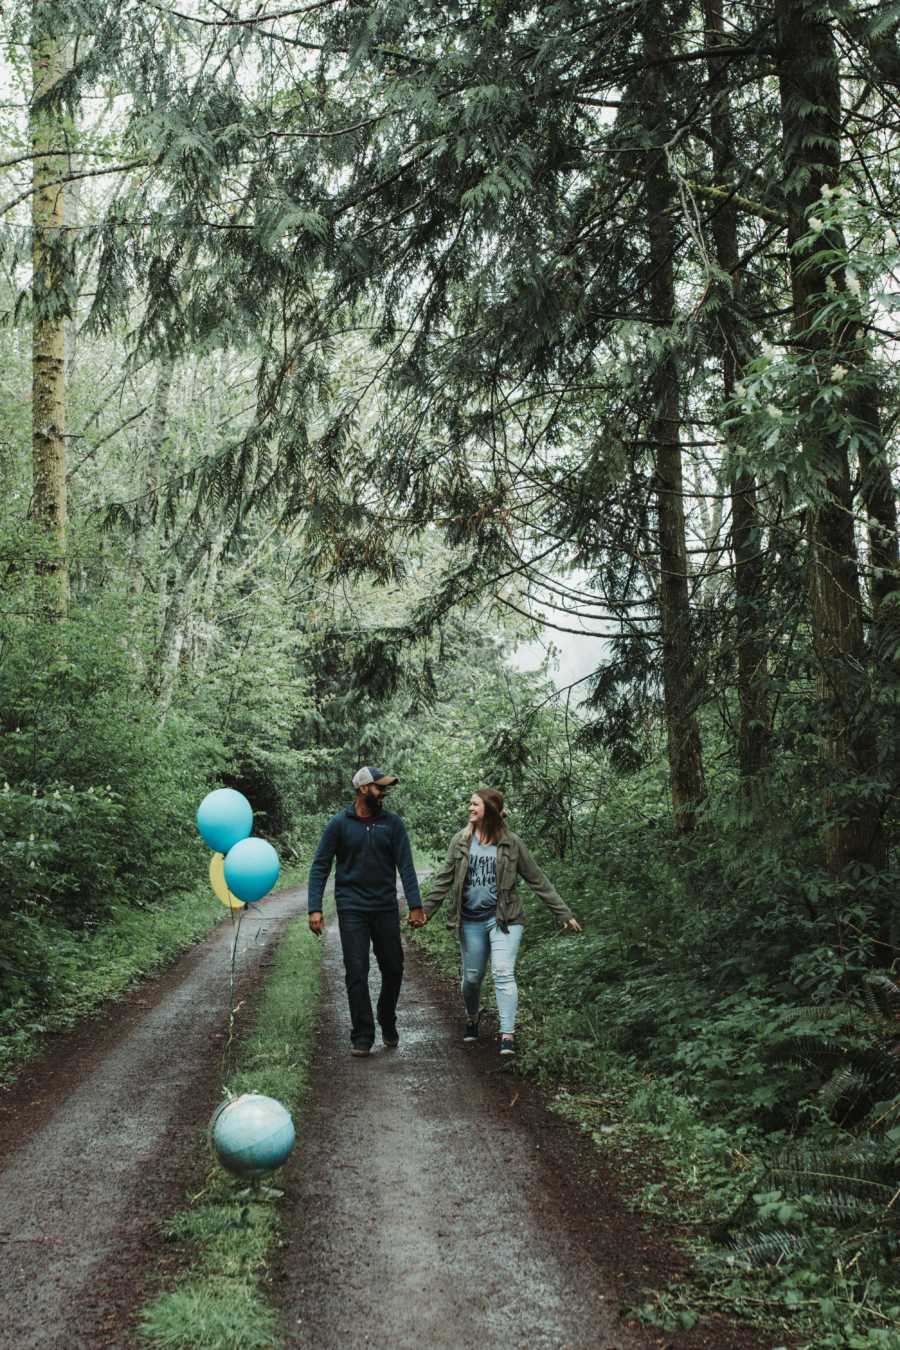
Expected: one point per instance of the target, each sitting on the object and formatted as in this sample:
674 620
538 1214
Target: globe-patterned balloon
252 1135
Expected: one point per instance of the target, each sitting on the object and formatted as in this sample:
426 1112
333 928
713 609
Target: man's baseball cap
367 775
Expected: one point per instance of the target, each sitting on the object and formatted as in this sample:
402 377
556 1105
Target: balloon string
232 1010
232 973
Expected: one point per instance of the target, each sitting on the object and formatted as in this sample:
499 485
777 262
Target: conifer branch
232 21
727 196
70 177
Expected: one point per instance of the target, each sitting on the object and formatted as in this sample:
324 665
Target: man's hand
417 917
316 922
572 926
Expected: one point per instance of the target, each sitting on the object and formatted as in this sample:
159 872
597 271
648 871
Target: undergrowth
726 1026
219 1303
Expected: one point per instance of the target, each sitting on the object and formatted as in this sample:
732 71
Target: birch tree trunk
50 310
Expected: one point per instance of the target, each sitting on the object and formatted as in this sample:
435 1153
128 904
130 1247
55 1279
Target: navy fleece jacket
369 855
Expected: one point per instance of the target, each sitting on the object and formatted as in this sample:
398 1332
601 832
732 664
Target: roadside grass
88 969
219 1303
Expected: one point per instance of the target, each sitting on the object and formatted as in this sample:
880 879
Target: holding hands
417 918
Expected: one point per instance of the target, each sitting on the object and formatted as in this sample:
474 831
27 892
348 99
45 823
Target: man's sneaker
507 1045
471 1032
390 1038
360 1050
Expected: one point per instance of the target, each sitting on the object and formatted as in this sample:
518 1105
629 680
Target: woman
480 875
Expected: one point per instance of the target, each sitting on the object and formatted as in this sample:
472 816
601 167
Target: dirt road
434 1203
432 1200
99 1139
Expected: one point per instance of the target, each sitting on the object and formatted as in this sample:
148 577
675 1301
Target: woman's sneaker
507 1045
471 1032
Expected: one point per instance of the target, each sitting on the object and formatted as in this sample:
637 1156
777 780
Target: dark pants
381 929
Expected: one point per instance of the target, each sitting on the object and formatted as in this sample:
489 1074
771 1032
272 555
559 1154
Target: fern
766 1249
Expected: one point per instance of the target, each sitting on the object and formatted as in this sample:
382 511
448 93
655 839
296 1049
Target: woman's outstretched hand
572 926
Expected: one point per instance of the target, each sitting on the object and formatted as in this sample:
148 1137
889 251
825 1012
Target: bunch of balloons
242 870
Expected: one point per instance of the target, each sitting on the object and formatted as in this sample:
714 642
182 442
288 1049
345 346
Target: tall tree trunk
150 538
811 117
74 192
50 310
680 678
73 212
173 638
176 593
752 647
156 433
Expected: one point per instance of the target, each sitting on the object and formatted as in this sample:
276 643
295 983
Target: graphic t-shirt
480 891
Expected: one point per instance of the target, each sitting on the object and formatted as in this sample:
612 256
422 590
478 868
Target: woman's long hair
493 826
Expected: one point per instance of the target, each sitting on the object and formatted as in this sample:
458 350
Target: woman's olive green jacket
513 861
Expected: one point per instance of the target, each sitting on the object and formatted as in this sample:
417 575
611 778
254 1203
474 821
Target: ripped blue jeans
479 938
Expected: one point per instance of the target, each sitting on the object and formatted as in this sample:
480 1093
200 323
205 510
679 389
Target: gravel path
99 1140
425 1210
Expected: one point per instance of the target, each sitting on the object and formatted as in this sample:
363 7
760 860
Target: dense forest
349 344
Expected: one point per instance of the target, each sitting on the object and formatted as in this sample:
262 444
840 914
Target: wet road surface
421 1210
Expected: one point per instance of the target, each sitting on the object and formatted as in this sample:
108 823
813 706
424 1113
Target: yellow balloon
217 881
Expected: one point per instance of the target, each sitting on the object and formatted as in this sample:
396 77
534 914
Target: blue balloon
252 1134
224 817
251 869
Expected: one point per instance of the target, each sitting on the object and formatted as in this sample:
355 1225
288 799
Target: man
371 845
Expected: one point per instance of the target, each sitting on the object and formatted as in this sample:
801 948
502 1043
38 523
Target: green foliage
725 1013
98 800
99 785
96 811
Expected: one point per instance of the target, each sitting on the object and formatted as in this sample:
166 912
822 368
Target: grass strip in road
219 1303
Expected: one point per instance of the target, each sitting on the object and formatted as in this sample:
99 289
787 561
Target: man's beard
376 803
